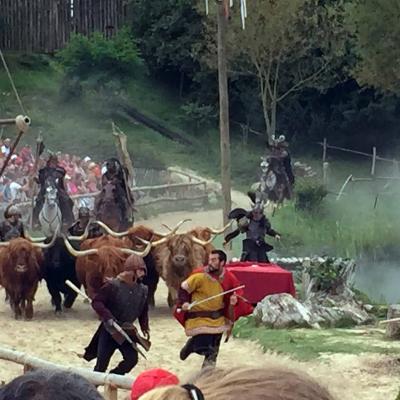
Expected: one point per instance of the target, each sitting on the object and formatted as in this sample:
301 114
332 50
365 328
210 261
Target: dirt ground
59 338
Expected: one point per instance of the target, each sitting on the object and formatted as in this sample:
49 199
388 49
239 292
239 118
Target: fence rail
110 382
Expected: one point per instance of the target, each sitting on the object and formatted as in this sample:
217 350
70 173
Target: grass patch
307 344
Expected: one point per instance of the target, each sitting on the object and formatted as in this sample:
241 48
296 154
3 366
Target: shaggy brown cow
137 237
20 272
99 259
175 255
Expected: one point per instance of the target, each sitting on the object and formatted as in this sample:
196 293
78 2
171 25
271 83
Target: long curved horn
160 241
34 240
138 253
78 253
110 231
222 230
201 242
4 244
172 231
46 246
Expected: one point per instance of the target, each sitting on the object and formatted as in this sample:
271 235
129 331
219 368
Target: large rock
283 311
393 328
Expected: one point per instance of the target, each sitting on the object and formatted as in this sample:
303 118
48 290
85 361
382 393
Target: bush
309 195
85 56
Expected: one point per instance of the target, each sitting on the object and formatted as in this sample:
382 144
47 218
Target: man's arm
231 235
144 319
100 300
268 229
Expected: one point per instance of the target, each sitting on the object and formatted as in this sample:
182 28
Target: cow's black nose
179 258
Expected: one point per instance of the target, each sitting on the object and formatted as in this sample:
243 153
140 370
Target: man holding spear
209 302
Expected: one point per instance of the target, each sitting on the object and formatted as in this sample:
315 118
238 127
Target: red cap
151 379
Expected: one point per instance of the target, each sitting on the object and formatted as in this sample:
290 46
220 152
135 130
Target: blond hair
247 384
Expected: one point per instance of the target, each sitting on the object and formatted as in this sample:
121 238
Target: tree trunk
393 328
224 113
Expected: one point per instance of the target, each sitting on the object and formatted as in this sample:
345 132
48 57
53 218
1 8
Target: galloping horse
50 216
111 206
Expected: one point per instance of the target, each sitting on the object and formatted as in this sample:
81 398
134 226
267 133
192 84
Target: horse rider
280 150
121 300
12 227
79 226
255 225
55 173
113 171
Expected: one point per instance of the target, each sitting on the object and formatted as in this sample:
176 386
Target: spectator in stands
49 385
5 148
244 384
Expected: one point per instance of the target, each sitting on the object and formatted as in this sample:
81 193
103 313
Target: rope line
12 83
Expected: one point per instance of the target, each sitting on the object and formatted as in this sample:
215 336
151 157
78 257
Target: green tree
376 29
288 45
170 35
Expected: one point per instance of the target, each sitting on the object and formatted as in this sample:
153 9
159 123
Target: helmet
134 262
12 210
83 212
52 158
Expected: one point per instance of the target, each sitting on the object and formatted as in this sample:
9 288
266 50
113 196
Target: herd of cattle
89 262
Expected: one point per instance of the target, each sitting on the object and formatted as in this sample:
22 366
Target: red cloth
151 379
230 281
262 279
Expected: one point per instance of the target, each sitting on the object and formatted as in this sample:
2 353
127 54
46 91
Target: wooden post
110 392
324 151
325 169
393 328
373 161
224 113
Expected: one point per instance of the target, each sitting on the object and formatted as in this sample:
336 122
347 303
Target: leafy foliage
310 195
376 33
85 56
289 45
327 274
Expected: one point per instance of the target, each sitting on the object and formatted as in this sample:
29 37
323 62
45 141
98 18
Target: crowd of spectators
16 185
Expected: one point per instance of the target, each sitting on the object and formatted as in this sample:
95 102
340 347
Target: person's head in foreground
49 385
151 379
244 384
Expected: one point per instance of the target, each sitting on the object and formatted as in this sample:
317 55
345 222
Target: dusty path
58 339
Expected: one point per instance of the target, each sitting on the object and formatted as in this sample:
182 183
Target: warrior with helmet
280 150
80 225
55 174
121 300
255 225
12 227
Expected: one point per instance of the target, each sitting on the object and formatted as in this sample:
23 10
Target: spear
39 144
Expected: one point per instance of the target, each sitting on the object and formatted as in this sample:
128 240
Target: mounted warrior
115 192
255 225
53 175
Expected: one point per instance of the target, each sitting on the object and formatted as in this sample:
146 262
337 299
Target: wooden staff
39 142
22 123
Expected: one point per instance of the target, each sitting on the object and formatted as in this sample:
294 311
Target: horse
111 206
50 216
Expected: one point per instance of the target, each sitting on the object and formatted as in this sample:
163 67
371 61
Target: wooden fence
110 382
46 25
190 190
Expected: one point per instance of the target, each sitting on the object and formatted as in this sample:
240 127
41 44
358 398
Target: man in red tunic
206 321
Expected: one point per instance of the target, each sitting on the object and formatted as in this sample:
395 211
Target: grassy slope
308 344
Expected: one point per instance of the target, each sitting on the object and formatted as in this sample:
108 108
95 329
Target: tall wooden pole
224 112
